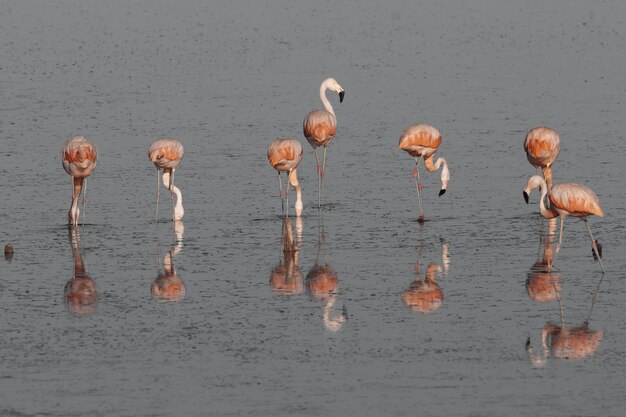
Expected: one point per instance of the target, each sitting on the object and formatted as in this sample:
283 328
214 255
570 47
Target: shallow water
228 77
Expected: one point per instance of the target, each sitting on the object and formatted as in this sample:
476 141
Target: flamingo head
533 182
333 85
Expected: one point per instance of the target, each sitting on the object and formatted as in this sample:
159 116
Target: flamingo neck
74 210
293 180
325 101
432 167
548 213
179 211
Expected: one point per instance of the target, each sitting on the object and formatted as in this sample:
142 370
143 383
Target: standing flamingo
285 156
79 157
421 142
567 199
320 127
166 154
542 149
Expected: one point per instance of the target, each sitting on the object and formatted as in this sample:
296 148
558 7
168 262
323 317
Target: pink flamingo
166 154
567 199
284 155
79 157
320 127
421 142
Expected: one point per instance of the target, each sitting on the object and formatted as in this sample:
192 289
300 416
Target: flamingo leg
172 192
558 246
287 194
593 245
319 180
156 216
280 193
322 174
418 186
84 198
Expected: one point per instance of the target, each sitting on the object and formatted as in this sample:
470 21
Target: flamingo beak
341 94
442 192
526 197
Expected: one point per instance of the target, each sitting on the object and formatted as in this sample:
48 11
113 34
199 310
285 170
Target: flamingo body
79 157
319 127
166 153
420 140
576 200
284 154
542 146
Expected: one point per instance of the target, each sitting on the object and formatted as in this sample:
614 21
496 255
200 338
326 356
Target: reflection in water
81 294
323 285
286 278
559 341
543 283
169 287
424 294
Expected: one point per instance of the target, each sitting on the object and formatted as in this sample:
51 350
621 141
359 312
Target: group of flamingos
421 141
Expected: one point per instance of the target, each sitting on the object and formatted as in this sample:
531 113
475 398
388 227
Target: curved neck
178 208
432 167
325 101
548 213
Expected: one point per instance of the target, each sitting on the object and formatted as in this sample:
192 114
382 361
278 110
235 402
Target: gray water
228 77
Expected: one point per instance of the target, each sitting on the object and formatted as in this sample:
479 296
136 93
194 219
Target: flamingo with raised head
567 199
79 157
320 127
284 155
166 154
421 141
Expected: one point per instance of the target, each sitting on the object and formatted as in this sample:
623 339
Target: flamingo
567 199
542 149
284 155
421 142
79 157
166 154
320 127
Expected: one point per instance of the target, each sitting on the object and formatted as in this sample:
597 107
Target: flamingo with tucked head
166 154
284 155
79 157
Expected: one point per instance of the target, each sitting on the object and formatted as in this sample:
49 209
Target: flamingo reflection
169 287
565 342
543 283
286 278
322 284
424 295
80 294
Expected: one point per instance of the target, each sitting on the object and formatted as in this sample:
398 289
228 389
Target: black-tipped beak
526 197
341 94
442 192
